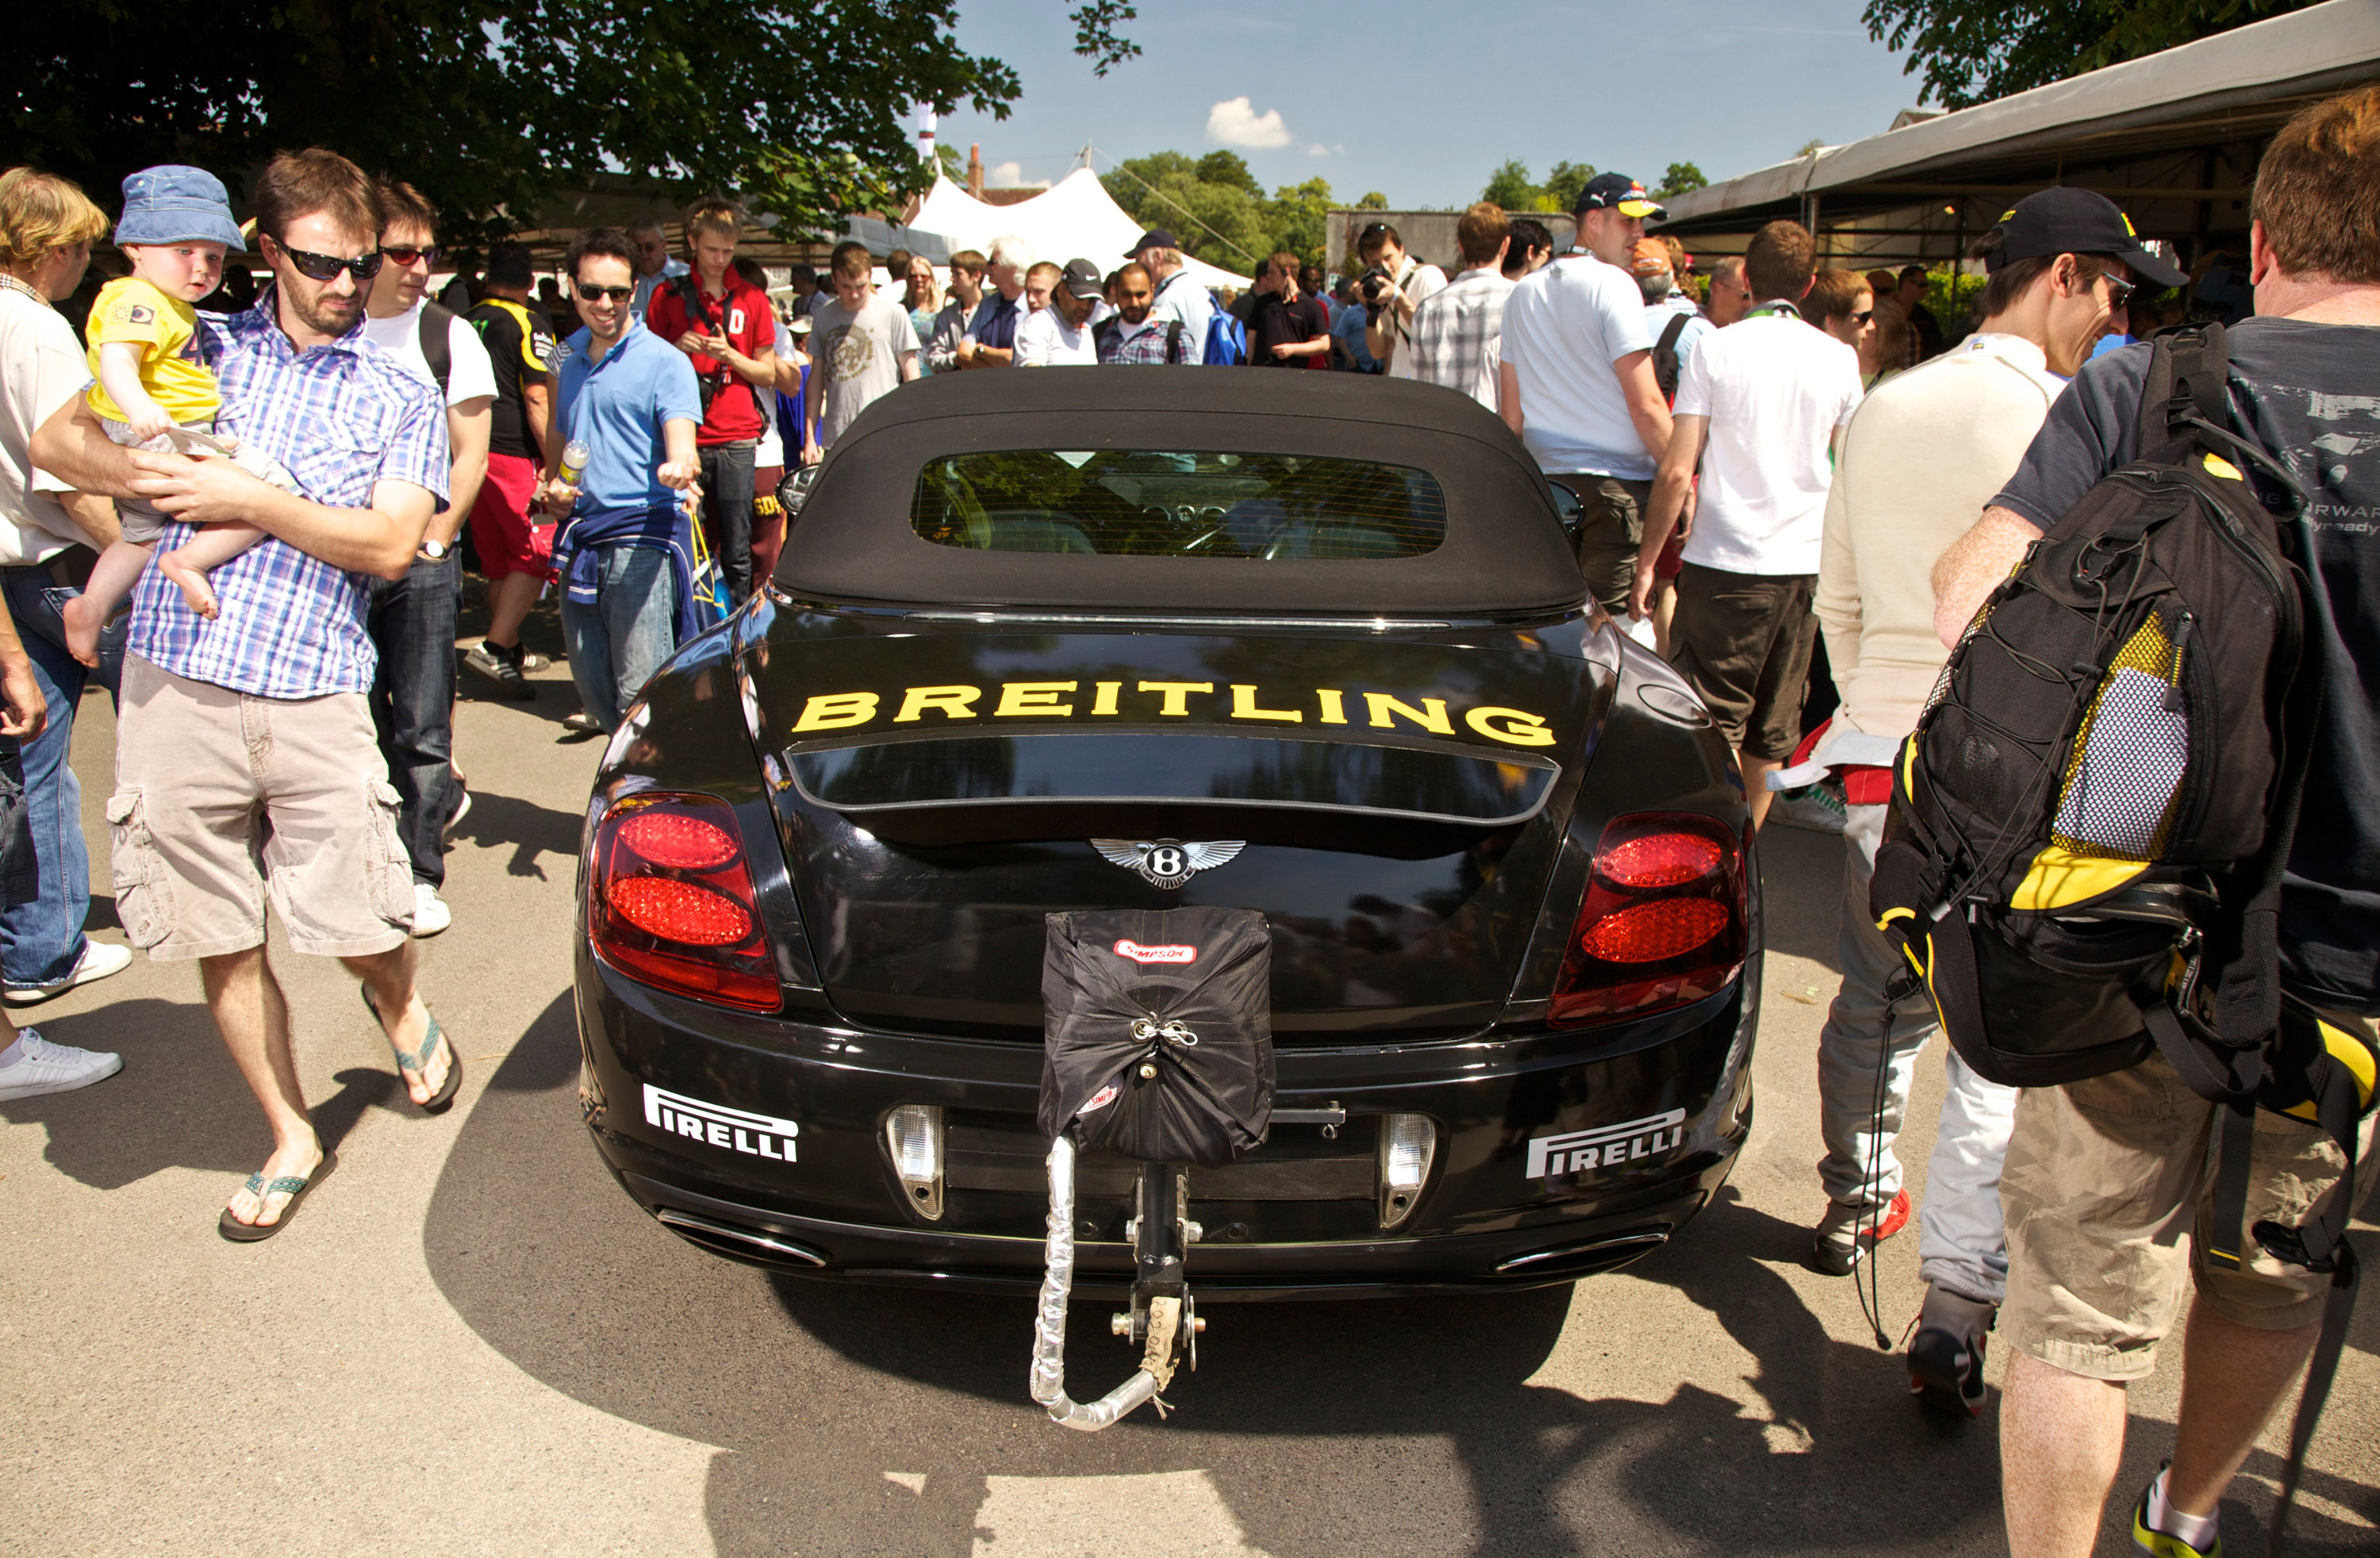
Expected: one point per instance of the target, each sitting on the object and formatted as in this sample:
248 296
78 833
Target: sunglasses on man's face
405 256
326 267
1863 316
2119 292
605 293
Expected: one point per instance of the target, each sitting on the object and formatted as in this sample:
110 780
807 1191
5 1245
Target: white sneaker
430 914
99 959
583 723
43 1067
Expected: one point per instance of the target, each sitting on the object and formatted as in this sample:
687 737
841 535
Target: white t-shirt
1047 341
1564 326
469 375
856 357
1775 390
1419 282
42 368
1927 450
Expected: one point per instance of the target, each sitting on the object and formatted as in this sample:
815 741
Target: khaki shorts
1610 531
2106 1178
222 797
1743 643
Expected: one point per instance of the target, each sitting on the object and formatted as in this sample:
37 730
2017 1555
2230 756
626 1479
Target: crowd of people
1789 479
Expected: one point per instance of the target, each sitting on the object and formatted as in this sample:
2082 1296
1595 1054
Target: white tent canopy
1076 219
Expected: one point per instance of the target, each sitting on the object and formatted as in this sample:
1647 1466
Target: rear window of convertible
1153 503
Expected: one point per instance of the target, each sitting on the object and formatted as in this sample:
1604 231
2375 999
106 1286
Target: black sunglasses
1863 316
2119 292
597 294
407 256
326 267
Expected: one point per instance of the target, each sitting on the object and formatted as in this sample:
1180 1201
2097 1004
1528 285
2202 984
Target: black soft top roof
1504 550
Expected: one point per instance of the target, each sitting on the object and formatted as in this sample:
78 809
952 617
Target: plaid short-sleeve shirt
340 419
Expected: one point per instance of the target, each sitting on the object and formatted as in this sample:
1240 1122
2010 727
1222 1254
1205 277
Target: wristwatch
434 550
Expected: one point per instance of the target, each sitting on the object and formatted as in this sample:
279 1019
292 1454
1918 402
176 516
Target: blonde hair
2318 190
41 213
714 216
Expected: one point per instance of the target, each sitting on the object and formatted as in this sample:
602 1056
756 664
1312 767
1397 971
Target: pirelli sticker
1144 700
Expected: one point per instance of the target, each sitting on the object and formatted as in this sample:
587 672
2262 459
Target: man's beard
323 313
1131 318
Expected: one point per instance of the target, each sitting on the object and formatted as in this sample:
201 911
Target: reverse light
1664 922
670 901
1408 1143
914 1132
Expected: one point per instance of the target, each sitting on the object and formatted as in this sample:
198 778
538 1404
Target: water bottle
573 462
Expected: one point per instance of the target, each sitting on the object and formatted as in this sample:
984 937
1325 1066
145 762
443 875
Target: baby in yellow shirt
152 390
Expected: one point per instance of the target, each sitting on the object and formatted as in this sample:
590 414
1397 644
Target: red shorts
501 529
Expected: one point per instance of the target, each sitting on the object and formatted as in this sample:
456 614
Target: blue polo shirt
616 407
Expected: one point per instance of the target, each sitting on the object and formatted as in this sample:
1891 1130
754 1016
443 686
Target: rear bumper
1667 1098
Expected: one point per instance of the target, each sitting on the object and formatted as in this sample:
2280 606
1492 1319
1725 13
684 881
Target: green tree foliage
1681 177
1563 184
486 106
1217 191
1373 200
1096 38
1511 187
1972 50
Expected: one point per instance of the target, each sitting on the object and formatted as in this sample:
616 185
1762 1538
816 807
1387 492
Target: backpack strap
1173 341
437 343
2187 375
1669 333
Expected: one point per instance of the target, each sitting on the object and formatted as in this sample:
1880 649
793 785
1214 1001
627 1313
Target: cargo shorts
223 798
2105 1179
1742 642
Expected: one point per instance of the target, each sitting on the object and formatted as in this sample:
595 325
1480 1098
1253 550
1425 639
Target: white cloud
1318 150
1010 176
1235 122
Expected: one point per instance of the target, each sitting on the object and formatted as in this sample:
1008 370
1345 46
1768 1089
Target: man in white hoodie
1924 453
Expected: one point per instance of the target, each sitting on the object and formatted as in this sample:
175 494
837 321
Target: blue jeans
617 642
40 938
412 622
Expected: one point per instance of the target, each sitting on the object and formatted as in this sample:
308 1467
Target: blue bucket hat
175 204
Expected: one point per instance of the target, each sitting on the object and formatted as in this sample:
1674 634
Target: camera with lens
1375 282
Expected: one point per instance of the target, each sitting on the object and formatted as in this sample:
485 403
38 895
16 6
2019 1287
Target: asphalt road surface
471 1343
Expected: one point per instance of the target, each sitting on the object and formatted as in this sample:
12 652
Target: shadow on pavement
1801 890
178 1103
533 831
1326 1428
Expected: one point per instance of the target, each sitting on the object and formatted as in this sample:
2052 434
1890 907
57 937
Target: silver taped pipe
1049 1375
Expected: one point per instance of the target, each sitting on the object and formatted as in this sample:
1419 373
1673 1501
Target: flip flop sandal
418 1061
258 1186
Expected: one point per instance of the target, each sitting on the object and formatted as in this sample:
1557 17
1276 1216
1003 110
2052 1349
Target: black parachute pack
2083 858
1157 1033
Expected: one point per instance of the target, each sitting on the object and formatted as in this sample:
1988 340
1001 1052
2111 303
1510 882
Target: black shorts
1743 642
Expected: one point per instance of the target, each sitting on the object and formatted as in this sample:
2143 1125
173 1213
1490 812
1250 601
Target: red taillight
1663 924
670 901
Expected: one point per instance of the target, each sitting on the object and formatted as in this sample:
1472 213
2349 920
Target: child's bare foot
191 582
82 624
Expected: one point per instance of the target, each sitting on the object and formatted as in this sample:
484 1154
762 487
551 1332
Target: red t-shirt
743 315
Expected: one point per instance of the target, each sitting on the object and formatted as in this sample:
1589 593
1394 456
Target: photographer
1393 284
725 326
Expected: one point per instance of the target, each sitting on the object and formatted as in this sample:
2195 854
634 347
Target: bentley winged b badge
1168 862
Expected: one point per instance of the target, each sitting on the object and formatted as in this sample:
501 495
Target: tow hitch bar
1162 1321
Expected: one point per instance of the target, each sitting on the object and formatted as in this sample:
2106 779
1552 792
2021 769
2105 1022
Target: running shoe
1814 807
430 914
1945 1357
1848 1231
501 668
43 1067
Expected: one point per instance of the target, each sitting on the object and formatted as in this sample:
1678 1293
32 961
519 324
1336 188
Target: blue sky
1421 102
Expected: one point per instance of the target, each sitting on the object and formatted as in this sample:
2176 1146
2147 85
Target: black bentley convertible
1304 644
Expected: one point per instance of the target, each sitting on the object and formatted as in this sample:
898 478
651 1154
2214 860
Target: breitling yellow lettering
1033 697
836 710
1244 706
1176 694
1104 699
955 702
1509 725
1334 705
1430 716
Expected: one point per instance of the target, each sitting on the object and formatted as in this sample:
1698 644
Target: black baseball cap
1156 238
1607 191
1082 279
2065 220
